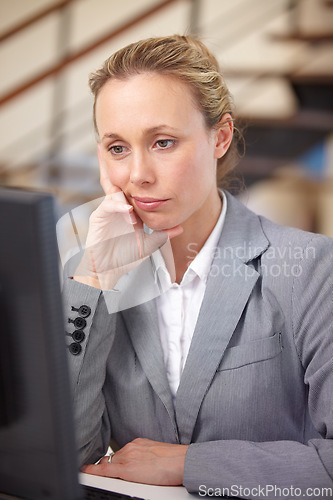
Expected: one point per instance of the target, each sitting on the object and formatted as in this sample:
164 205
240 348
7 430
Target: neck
196 232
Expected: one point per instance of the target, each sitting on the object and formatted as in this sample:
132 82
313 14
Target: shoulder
265 238
302 243
298 266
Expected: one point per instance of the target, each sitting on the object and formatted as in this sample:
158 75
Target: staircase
277 57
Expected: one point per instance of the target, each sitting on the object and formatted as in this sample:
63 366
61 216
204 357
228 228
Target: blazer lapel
226 295
142 324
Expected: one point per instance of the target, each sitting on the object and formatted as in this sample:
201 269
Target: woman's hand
144 461
116 241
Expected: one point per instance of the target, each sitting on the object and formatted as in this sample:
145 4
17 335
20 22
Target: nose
141 169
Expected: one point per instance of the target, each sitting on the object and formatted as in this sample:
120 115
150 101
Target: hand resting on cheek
117 242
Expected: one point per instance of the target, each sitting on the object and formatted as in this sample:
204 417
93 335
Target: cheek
196 172
118 176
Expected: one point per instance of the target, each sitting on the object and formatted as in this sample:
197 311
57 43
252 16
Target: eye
165 143
117 150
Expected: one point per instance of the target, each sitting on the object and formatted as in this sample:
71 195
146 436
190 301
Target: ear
223 135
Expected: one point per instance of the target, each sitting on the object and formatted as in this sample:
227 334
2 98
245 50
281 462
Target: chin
158 223
157 227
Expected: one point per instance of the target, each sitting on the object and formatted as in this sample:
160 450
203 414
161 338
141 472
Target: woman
225 378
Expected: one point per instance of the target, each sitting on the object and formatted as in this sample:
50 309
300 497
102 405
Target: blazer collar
242 231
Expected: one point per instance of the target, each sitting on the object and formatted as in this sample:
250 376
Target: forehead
147 96
149 80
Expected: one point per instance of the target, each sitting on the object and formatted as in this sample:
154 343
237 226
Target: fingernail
132 218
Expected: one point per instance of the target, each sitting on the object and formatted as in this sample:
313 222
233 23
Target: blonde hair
182 57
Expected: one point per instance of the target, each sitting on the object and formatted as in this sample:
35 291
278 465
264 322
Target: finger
149 243
107 221
132 247
104 176
105 469
105 459
119 196
115 194
100 469
109 207
125 249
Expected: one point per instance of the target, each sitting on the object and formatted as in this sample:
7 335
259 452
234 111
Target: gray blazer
255 396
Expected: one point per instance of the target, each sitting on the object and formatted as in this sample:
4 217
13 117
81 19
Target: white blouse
178 308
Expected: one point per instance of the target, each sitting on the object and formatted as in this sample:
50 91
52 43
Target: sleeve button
84 311
75 348
78 336
79 323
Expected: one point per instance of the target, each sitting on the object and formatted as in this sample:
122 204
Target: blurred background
276 55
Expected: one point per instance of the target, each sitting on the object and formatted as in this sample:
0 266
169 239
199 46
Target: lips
147 203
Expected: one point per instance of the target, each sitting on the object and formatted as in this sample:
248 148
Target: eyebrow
111 136
148 131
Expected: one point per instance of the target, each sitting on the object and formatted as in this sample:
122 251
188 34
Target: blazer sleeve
271 469
87 365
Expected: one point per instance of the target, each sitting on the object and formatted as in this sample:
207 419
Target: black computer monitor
37 442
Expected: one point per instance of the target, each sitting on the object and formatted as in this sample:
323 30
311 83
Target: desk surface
146 491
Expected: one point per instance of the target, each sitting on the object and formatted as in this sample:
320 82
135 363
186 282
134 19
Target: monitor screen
37 445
